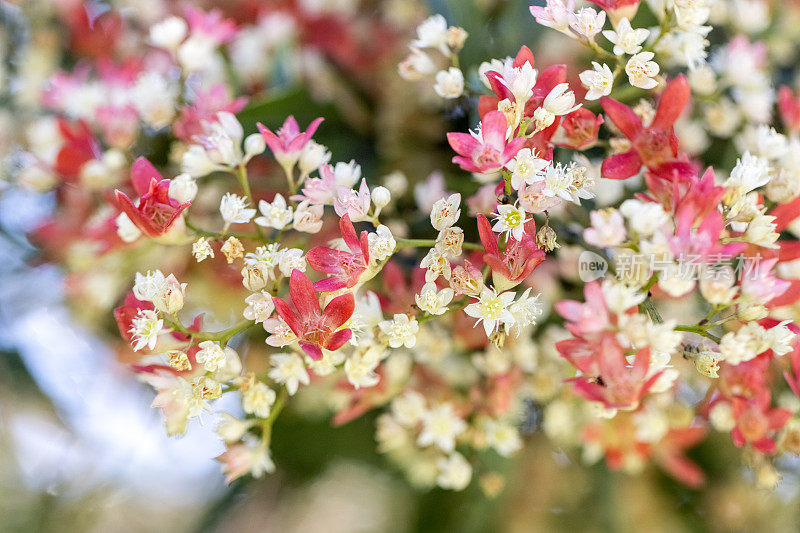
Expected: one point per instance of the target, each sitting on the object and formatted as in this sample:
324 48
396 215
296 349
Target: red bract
670 454
589 317
315 329
155 212
344 267
617 9
210 25
618 384
654 146
79 147
789 107
757 422
289 141
204 108
578 129
516 262
488 150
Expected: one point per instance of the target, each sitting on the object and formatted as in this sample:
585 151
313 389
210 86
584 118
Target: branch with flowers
584 257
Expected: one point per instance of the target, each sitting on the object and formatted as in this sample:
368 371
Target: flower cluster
507 287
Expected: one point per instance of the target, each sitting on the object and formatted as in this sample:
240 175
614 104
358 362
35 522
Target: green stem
266 426
222 336
461 304
700 330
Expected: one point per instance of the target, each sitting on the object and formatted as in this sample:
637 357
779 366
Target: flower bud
313 156
749 313
254 144
232 429
126 229
254 278
170 295
381 197
183 188
231 366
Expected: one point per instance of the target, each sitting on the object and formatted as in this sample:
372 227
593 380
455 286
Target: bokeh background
80 448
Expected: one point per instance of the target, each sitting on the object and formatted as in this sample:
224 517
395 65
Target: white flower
313 156
154 97
449 83
360 367
626 39
503 437
183 188
196 163
234 209
276 214
559 101
288 368
290 259
259 306
126 229
432 33
146 285
599 81
258 400
446 211
455 472
416 65
619 297
762 231
211 355
519 80
641 69
780 338
170 295
346 174
744 344
232 429
308 218
201 249
409 408
526 168
525 311
381 244
223 142
169 33
449 241
145 327
750 173
432 301
491 309
511 220
401 331
607 229
436 264
554 14
587 22
645 218
280 332
440 427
